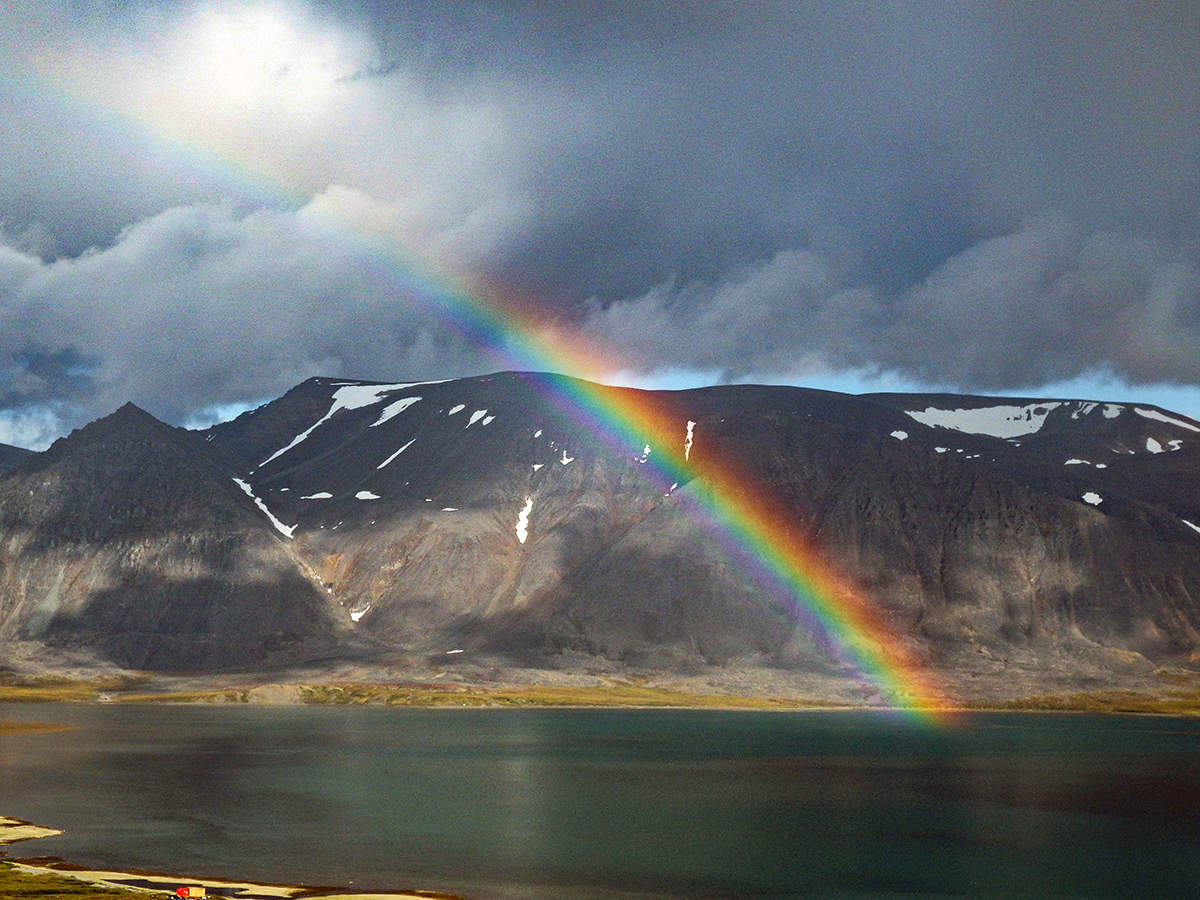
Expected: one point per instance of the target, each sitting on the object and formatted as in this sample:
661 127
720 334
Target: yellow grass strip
472 695
32 727
17 885
52 688
1173 703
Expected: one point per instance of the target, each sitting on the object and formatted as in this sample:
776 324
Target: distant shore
617 694
1176 696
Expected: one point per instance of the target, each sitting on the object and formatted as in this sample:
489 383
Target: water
629 803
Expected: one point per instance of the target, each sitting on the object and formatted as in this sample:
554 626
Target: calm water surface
588 803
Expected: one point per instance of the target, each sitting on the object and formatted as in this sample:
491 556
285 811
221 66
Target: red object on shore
191 892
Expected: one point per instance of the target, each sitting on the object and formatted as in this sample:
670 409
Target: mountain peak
130 410
128 424
129 415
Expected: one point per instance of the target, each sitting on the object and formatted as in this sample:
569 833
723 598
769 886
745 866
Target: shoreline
945 714
151 882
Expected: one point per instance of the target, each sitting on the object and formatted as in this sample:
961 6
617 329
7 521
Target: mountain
1015 545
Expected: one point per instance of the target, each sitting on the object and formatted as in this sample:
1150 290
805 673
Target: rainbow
754 528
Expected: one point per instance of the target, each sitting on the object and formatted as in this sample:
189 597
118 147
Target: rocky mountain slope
1028 543
127 538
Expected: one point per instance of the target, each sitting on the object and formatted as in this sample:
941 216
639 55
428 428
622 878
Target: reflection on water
562 803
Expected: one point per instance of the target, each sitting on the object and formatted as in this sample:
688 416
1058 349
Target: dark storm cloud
1047 302
999 195
1068 299
38 376
985 196
685 139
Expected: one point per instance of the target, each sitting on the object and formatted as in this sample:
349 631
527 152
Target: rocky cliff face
126 538
482 516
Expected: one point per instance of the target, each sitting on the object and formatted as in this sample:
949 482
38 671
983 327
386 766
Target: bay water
505 804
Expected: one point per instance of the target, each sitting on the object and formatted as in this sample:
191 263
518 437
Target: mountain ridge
1013 543
11 457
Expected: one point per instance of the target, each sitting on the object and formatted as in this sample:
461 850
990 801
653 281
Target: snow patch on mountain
900 435
688 438
366 495
394 455
1084 462
1112 410
285 530
1093 498
457 408
997 421
1191 525
1153 446
354 396
1160 417
476 416
394 409
319 495
523 520
1083 409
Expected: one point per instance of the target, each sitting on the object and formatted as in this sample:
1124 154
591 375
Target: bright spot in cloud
257 84
255 56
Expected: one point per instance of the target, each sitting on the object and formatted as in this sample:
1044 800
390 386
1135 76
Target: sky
204 203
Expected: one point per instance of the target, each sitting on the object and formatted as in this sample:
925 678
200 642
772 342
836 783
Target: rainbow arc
757 530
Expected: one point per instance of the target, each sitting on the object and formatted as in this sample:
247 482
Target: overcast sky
204 203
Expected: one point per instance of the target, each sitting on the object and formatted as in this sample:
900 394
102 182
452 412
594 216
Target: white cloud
792 312
33 427
199 306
